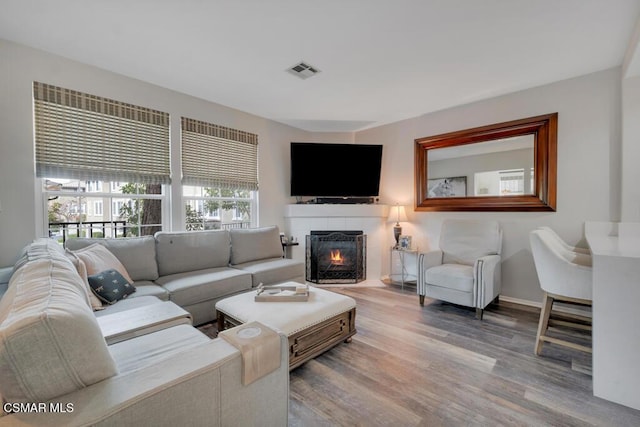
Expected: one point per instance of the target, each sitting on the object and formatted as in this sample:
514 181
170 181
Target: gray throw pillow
110 286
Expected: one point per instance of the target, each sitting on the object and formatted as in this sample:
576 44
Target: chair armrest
487 272
429 259
426 260
200 386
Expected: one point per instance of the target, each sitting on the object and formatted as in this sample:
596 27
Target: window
139 213
209 208
220 176
512 182
97 208
94 186
117 206
99 153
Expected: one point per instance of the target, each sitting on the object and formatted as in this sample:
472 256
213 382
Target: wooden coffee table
312 327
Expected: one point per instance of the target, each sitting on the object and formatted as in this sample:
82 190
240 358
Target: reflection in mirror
502 167
508 166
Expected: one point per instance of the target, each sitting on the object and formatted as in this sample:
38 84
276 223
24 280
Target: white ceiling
381 60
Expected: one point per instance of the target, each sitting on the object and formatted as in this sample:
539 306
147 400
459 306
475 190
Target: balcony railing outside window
111 229
68 230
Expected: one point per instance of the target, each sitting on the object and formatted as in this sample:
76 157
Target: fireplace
336 256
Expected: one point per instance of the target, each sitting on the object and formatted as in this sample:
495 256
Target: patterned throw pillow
110 286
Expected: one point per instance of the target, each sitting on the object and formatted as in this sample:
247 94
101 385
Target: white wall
22 217
631 149
588 166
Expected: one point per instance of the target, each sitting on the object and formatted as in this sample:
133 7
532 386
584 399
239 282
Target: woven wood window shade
81 136
216 156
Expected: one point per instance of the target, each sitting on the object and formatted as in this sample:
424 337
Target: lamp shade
397 214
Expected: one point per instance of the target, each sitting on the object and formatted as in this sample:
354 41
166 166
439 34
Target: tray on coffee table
282 293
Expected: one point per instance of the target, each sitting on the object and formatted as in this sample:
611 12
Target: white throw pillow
96 259
95 302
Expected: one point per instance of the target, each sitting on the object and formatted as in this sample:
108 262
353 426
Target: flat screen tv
335 170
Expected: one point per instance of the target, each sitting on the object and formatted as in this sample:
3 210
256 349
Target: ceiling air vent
302 70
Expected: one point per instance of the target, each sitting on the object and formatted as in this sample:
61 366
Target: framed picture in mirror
447 187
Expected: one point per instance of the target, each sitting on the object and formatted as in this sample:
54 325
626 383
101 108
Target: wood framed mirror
508 166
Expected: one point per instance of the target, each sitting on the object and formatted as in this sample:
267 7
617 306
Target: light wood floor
437 365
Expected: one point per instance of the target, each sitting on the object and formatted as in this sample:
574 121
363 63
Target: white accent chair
564 275
563 243
466 270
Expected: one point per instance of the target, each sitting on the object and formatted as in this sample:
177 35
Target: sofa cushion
274 270
180 252
147 288
50 341
202 285
254 244
110 286
137 254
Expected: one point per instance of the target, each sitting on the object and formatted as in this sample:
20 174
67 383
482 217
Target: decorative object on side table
397 214
405 242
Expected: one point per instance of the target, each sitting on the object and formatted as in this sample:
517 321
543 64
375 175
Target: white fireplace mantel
300 219
330 210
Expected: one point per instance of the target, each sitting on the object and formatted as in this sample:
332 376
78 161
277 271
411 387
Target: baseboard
557 306
520 301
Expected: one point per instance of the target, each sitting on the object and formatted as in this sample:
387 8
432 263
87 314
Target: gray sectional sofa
197 269
139 361
59 363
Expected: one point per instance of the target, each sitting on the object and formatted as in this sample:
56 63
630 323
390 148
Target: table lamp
397 214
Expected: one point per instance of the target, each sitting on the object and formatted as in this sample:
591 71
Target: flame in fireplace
336 257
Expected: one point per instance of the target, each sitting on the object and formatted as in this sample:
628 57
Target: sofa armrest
124 325
426 260
200 386
487 272
5 275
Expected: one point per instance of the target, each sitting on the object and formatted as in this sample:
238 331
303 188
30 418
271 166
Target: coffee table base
312 341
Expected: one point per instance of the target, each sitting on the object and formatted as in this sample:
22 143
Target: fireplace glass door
336 256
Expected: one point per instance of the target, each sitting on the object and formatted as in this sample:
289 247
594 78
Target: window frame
45 194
